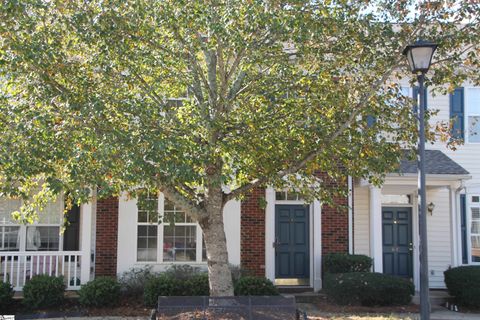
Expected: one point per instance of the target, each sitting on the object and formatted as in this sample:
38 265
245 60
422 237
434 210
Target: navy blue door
291 242
397 241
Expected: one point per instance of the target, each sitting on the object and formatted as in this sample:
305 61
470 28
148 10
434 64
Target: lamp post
419 56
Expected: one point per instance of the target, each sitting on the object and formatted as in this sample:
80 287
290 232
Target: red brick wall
335 222
106 237
335 228
252 239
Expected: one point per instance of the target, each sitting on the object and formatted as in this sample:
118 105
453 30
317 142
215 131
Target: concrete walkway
450 315
437 314
97 318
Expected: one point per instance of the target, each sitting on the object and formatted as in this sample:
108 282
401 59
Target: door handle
276 243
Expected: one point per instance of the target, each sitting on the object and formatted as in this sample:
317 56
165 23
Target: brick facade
335 228
106 237
252 229
335 221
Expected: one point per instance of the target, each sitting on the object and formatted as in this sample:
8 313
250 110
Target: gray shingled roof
436 163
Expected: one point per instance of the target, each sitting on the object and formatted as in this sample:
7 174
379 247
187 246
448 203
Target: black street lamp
419 56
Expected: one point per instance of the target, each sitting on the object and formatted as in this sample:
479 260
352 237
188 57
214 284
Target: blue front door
397 241
291 242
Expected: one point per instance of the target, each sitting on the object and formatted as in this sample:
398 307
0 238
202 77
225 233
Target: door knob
276 243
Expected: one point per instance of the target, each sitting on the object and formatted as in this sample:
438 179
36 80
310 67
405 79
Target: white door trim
315 240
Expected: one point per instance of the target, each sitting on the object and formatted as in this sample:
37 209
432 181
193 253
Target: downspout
350 215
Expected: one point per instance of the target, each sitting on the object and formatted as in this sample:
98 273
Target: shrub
368 289
197 285
162 285
183 271
6 294
462 283
43 291
255 286
166 284
343 263
238 272
133 281
102 291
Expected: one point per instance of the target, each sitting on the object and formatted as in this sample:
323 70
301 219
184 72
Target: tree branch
313 154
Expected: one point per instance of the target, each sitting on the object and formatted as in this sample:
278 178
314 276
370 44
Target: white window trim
469 205
160 232
467 115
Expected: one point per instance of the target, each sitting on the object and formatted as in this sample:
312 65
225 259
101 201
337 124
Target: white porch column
270 234
376 228
454 227
317 245
87 212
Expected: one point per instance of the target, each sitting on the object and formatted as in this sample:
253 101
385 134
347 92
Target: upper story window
473 114
465 114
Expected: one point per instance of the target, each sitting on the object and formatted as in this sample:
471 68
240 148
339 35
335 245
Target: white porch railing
18 267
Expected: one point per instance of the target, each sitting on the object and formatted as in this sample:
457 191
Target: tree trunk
219 274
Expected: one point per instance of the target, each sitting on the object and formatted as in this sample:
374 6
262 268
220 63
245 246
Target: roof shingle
436 162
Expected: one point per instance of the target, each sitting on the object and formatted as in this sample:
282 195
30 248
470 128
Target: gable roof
436 162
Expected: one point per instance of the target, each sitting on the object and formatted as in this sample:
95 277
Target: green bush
6 294
462 283
368 289
102 291
344 263
182 271
162 285
255 286
197 285
43 291
166 284
133 281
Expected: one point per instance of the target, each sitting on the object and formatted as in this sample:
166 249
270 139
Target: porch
386 219
40 248
17 268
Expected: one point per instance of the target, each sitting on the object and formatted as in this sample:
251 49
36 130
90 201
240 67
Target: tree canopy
190 97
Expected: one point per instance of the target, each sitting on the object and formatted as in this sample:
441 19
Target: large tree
206 100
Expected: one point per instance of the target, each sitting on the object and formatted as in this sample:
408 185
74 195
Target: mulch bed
324 305
133 307
128 307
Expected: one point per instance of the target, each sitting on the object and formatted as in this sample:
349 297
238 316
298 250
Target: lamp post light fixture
419 56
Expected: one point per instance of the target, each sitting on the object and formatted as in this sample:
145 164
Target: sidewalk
438 314
450 315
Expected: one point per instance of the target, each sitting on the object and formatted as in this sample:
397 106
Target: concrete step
294 289
437 297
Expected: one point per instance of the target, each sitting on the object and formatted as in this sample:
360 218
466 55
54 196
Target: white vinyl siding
361 224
